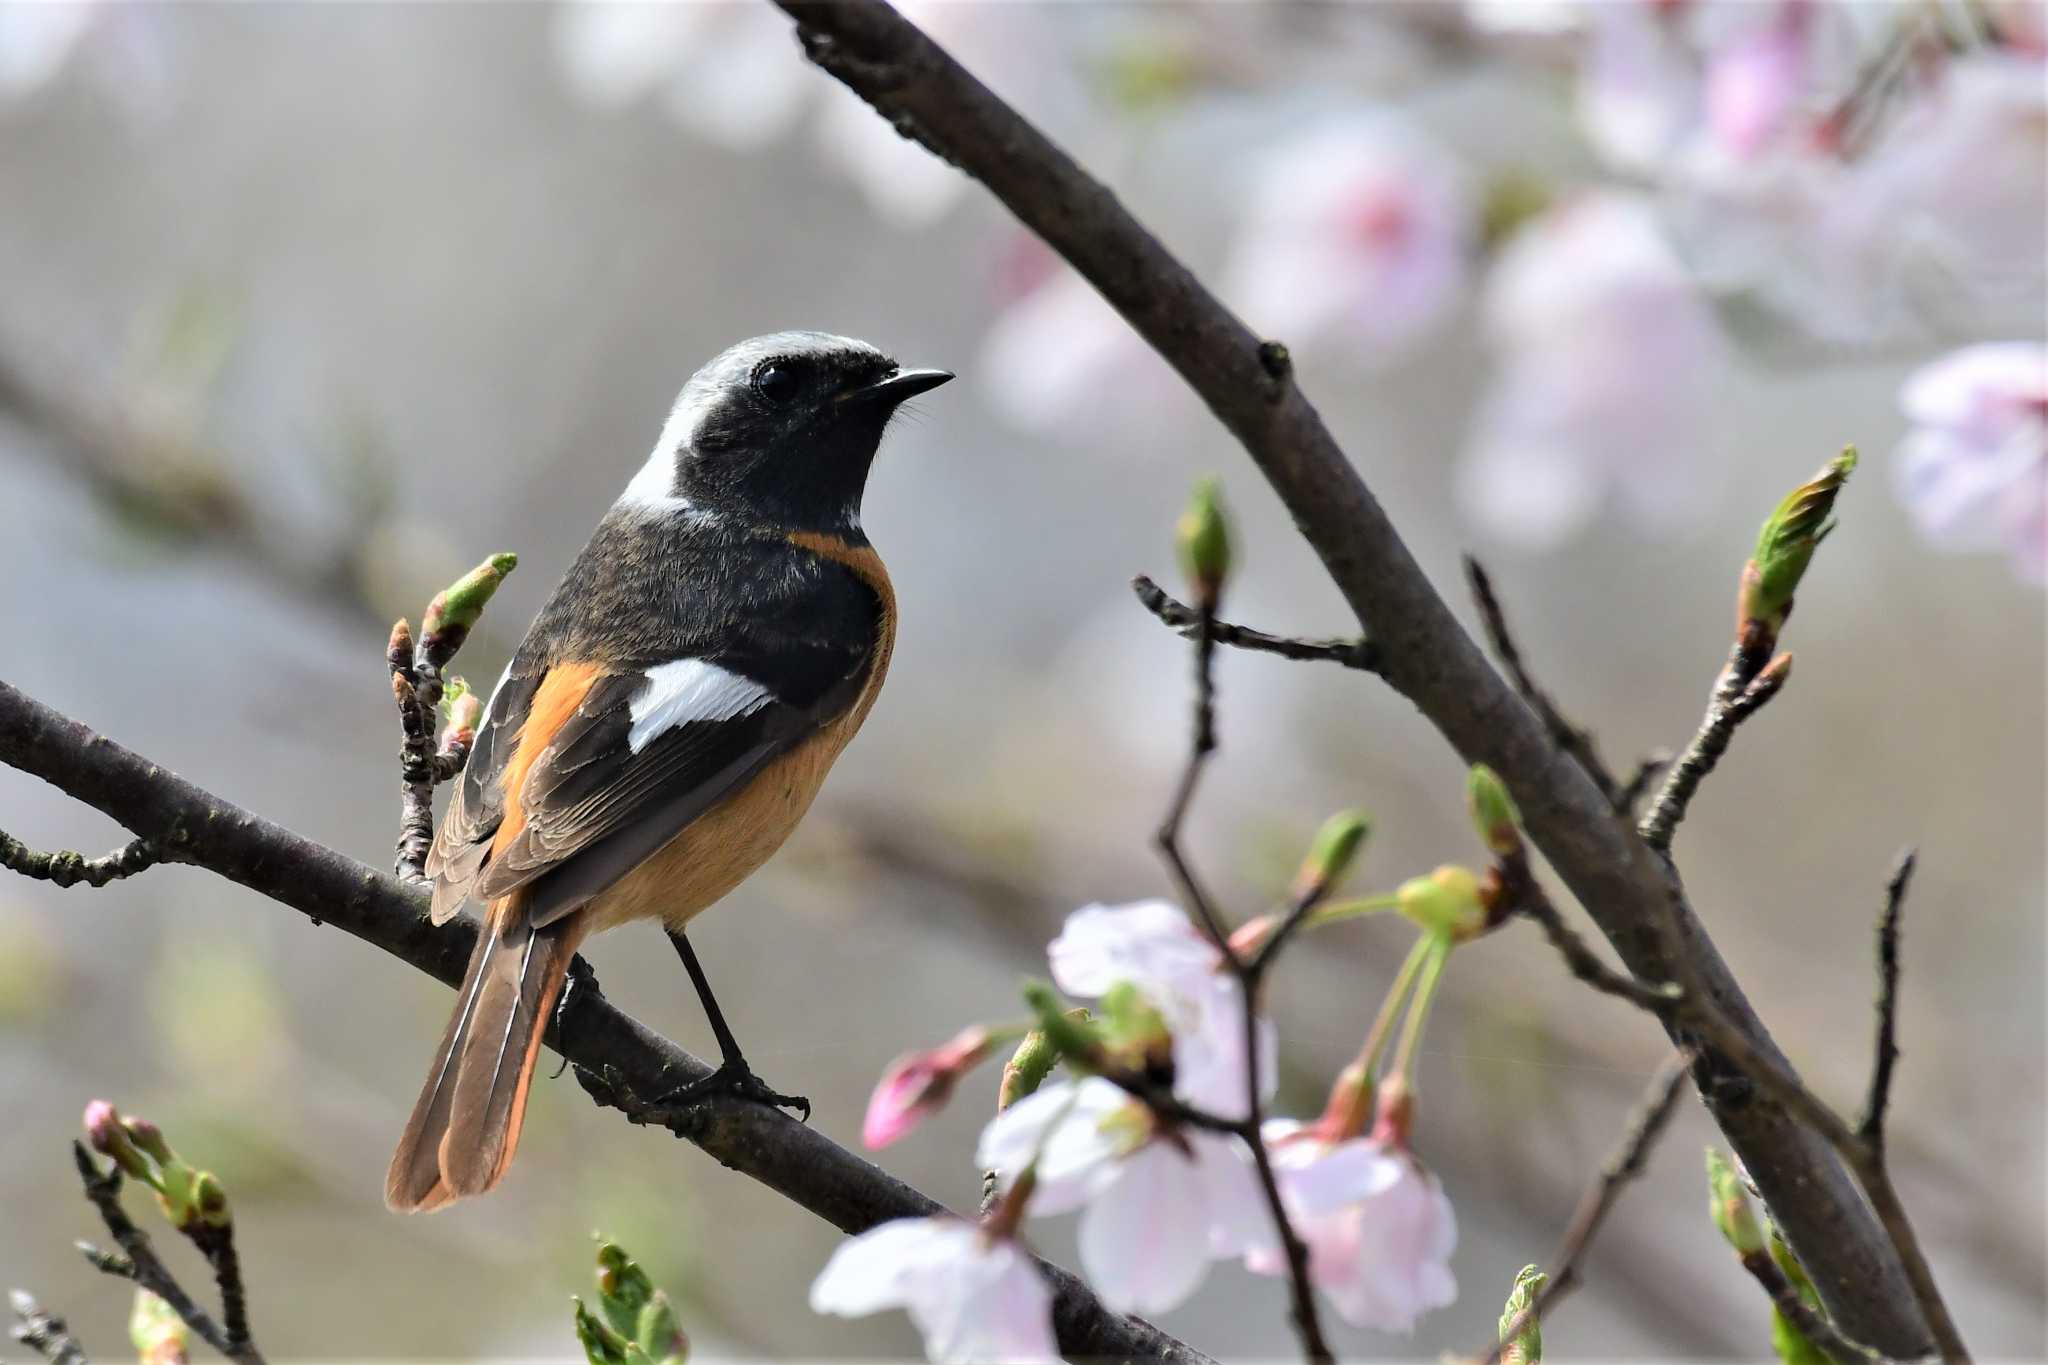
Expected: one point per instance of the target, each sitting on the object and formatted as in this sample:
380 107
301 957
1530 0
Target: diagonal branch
1739 694
1424 653
43 1332
196 827
1886 1054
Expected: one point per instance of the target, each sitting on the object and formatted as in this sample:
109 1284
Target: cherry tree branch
66 868
43 1331
1424 654
1359 654
195 827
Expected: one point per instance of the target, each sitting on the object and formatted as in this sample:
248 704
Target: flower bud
918 1084
1394 1113
210 1201
1526 1346
1447 902
1030 1064
398 649
1493 811
149 1138
456 608
638 1324
1349 1110
107 1136
157 1333
1203 541
1730 1206
1247 938
1786 544
1331 855
461 707
1075 1040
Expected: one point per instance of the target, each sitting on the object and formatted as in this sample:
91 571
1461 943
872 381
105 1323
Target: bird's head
779 431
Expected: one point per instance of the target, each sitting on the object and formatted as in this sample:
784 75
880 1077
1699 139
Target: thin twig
1886 1054
140 1263
417 691
1784 1296
1202 743
43 1332
1532 901
1638 784
1360 654
1566 736
66 868
1626 1162
1741 691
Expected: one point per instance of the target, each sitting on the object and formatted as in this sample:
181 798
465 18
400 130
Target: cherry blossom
1378 1227
1609 358
973 1295
918 1085
1158 1205
1154 946
36 41
1360 228
1974 469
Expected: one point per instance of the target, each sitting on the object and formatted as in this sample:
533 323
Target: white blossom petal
1145 1239
973 1299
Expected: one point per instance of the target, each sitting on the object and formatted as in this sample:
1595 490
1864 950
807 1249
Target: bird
665 722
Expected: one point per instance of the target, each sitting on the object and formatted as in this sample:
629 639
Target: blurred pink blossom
1158 1206
1974 469
1608 361
1756 78
974 1296
1638 92
918 1084
35 43
1358 229
1379 1229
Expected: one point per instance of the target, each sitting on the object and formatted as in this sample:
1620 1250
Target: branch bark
193 826
1424 653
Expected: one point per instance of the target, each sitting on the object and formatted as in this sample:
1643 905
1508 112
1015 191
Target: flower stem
1383 1024
1437 949
1338 911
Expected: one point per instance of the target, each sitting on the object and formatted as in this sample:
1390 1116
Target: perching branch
1422 651
1785 1297
138 1261
43 1332
1568 737
1626 1162
1359 654
65 868
195 827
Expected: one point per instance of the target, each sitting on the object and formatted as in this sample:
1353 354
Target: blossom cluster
1139 1142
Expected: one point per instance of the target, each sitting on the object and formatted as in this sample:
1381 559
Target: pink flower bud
919 1084
102 1126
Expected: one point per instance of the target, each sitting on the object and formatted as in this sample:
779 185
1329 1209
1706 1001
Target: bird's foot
736 1079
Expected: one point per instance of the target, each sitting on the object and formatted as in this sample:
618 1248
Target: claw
736 1079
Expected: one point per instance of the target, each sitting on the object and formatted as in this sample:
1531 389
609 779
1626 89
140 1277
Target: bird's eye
776 382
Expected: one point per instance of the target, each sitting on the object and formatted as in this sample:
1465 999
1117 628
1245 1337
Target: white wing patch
690 690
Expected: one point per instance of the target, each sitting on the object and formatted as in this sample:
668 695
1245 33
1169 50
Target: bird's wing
587 772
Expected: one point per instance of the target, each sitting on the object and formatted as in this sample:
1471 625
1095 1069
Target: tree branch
1423 652
196 827
1359 654
43 1332
1886 1053
1739 694
1567 736
65 868
1626 1162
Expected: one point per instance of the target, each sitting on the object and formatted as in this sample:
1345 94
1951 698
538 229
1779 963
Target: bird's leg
733 1076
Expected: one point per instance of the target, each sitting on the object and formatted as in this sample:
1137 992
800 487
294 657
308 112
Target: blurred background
304 310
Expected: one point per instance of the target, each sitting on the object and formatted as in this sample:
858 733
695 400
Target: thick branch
1423 652
194 826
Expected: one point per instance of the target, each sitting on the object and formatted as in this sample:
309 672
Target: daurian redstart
666 721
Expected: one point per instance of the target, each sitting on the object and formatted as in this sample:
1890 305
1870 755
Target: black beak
897 385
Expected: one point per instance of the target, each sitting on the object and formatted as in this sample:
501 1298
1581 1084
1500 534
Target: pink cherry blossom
974 1297
1639 92
1974 469
1154 946
1379 1229
1609 357
918 1084
1358 229
1158 1206
1756 79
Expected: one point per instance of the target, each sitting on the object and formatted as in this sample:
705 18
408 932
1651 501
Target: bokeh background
303 310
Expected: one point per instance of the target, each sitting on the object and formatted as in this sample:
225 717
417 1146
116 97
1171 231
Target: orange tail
462 1133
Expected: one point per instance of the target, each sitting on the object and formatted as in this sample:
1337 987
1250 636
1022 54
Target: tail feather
465 1126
